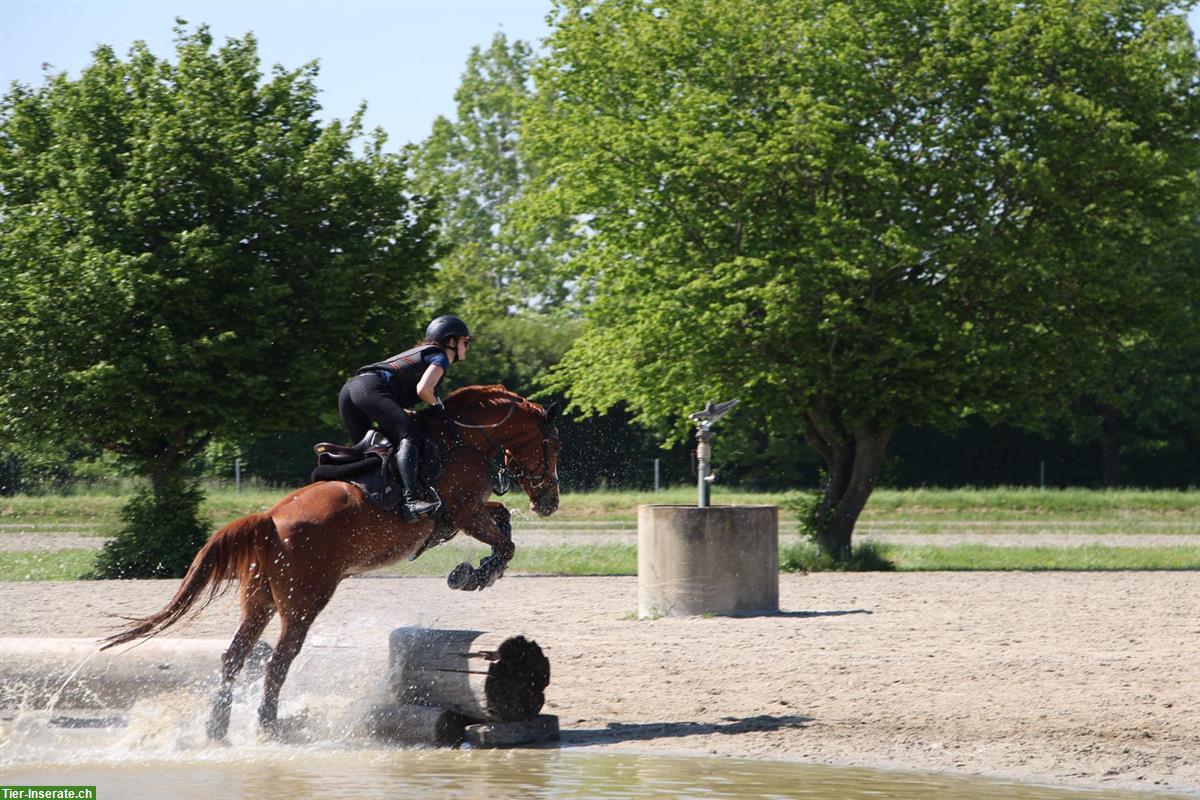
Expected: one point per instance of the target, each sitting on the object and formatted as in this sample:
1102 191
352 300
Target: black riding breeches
366 398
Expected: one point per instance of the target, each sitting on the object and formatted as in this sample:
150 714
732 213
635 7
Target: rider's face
461 348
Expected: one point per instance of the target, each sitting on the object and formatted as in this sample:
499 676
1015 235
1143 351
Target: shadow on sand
810 614
621 732
796 614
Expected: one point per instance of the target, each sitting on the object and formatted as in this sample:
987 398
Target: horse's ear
552 411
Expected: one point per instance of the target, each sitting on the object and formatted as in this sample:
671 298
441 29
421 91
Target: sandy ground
1072 678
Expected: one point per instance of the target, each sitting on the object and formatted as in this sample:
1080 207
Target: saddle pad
370 475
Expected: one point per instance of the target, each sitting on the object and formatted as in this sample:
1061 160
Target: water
158 750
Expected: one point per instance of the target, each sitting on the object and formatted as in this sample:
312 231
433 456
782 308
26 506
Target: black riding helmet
445 328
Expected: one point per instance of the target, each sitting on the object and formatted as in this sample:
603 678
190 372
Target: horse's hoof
490 570
461 577
217 728
267 718
288 730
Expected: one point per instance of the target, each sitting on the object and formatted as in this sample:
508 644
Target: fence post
657 475
237 474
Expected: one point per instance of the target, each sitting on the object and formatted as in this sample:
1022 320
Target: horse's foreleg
491 526
256 613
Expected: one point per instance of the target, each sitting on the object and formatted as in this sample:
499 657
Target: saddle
368 464
375 443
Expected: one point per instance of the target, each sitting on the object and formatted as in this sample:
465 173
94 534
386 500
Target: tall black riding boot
406 464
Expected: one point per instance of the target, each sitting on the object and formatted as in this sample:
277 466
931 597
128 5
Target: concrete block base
717 560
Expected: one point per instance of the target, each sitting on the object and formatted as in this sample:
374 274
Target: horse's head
522 431
532 459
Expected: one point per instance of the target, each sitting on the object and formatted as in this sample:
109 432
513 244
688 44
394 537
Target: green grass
45 565
1088 558
616 559
1030 503
566 559
876 557
886 505
804 557
927 511
621 559
102 511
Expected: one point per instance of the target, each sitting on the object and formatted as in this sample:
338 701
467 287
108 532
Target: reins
511 408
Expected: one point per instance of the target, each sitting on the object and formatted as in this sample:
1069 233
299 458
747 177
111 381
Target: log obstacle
485 676
413 724
712 560
448 686
435 687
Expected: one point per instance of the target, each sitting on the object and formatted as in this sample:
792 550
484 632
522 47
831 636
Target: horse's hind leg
257 609
294 624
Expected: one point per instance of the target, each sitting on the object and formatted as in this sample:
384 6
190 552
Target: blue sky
404 57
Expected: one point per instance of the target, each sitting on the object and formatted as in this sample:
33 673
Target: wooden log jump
443 682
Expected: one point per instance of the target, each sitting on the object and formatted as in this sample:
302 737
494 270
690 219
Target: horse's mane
479 397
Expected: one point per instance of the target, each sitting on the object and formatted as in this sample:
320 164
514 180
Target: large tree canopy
500 279
860 215
187 251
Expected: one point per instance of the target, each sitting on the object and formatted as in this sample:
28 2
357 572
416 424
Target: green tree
861 215
497 277
1150 392
186 251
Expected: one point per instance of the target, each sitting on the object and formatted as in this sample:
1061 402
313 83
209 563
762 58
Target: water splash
52 703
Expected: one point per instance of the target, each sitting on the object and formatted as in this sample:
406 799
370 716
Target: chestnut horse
291 558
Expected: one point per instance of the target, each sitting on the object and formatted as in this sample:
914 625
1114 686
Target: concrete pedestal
716 560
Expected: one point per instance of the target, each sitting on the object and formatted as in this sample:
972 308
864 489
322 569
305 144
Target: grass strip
1004 501
877 556
1087 558
45 565
621 559
564 559
1124 506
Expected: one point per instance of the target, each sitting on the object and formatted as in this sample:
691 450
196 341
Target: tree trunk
853 464
162 528
1110 445
174 452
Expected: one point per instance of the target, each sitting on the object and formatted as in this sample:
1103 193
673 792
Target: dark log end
517 680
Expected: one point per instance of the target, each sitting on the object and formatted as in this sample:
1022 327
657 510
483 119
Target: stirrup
418 509
434 507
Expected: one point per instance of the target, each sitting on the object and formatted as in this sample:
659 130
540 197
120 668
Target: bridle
539 483
510 469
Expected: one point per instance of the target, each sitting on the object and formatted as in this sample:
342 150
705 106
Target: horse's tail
238 551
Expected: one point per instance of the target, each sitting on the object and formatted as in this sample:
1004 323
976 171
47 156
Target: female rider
382 391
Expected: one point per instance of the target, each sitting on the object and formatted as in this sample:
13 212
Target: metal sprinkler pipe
704 420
